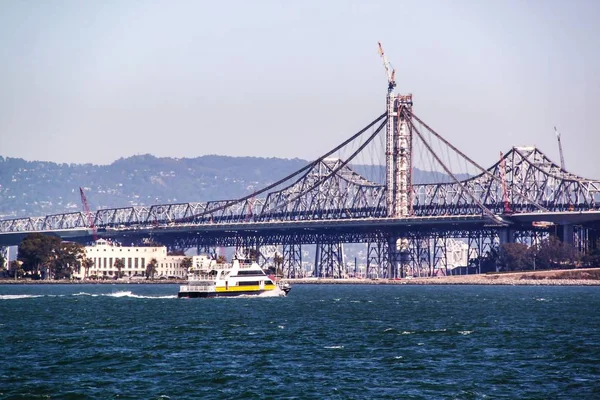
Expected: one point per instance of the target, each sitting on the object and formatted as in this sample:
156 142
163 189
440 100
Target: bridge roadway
359 229
351 230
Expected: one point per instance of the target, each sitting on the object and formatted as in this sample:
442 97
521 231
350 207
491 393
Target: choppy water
335 342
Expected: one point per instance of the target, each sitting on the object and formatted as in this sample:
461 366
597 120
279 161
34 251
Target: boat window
249 283
250 273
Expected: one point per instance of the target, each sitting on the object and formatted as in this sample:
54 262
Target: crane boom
389 70
88 213
562 158
502 168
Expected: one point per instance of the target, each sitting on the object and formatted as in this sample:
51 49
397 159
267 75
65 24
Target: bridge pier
593 236
329 260
506 235
377 253
5 252
398 257
292 260
440 253
566 233
420 258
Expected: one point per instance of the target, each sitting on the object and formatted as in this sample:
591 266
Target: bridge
366 190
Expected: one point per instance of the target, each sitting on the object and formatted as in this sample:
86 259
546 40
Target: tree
515 257
2 262
151 269
16 268
278 261
552 253
187 263
68 258
119 265
87 263
592 259
489 262
38 251
251 254
221 259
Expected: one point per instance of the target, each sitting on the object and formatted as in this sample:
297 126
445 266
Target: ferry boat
239 278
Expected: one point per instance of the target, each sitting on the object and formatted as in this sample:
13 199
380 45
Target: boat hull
194 294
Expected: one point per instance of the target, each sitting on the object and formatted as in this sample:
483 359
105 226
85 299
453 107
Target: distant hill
35 188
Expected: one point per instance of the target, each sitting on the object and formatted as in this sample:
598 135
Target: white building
104 254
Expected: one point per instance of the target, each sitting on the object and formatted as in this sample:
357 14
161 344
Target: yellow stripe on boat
253 288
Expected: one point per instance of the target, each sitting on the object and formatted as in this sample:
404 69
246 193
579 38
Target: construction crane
389 70
562 158
88 213
502 168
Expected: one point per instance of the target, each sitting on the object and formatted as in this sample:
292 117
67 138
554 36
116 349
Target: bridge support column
394 269
440 254
376 259
329 260
566 233
593 239
506 235
5 253
580 238
292 260
421 257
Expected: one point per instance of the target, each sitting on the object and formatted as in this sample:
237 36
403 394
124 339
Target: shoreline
449 282
74 282
572 277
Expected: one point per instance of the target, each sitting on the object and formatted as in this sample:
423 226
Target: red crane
87 211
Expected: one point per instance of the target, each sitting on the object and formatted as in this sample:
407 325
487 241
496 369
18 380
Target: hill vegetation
36 188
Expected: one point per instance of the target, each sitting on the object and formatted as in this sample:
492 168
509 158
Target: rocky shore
577 277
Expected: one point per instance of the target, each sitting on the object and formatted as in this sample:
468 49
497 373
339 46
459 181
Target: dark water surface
323 341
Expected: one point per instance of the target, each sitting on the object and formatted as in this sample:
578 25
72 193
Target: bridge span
522 197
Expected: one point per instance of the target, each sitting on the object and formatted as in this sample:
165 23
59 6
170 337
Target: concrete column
506 235
565 233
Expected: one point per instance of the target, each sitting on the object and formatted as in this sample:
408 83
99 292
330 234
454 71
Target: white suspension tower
398 148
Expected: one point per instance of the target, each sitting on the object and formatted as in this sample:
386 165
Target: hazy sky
93 81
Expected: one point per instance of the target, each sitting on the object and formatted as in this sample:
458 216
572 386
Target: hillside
35 188
31 188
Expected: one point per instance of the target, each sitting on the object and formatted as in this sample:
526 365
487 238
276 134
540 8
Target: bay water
321 342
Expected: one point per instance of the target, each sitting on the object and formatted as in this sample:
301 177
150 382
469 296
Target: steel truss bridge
406 225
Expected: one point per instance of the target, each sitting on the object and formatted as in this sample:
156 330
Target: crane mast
88 213
502 168
389 128
562 158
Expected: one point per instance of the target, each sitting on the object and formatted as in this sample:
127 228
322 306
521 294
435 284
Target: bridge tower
398 165
398 147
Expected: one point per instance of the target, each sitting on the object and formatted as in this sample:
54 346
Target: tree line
49 257
548 254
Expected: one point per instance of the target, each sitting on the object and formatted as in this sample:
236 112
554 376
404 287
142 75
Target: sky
99 80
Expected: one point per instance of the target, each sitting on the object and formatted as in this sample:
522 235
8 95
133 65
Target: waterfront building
104 254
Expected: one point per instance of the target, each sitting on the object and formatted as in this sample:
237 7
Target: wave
117 294
137 296
19 296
